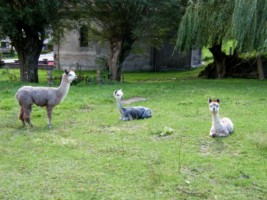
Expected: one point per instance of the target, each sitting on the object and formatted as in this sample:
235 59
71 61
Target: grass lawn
90 154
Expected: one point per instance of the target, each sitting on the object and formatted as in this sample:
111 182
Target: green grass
90 154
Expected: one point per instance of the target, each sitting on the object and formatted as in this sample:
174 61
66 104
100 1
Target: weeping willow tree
207 23
249 27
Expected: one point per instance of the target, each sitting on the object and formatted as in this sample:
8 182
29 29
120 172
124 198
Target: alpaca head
214 105
118 94
69 75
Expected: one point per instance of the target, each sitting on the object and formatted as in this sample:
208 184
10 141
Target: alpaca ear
218 100
210 100
66 71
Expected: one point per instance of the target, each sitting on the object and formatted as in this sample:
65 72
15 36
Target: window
84 37
4 44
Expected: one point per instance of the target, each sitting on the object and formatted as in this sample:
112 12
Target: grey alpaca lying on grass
47 97
130 113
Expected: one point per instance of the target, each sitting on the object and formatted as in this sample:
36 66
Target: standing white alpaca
130 113
221 127
47 97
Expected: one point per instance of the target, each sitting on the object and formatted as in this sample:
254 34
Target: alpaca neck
216 123
119 103
63 88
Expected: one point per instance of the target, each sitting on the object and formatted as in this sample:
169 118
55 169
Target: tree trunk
119 73
260 68
126 48
28 67
114 52
29 48
219 60
119 49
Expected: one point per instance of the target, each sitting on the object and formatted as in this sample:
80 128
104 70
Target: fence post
49 77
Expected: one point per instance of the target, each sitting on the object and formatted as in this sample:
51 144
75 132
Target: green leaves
207 23
249 25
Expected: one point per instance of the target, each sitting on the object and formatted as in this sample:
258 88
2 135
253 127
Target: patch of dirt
133 99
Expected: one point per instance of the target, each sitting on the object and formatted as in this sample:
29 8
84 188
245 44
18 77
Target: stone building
76 49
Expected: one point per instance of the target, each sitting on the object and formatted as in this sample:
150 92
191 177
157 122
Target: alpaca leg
126 117
21 116
49 115
212 132
224 133
27 115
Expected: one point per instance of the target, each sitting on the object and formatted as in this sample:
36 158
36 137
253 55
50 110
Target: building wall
165 58
69 53
145 58
5 46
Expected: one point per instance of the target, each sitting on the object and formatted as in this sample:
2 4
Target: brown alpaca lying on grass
47 97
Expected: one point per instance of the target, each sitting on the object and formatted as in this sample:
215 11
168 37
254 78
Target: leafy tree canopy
25 22
209 22
122 22
205 23
148 19
34 15
249 25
